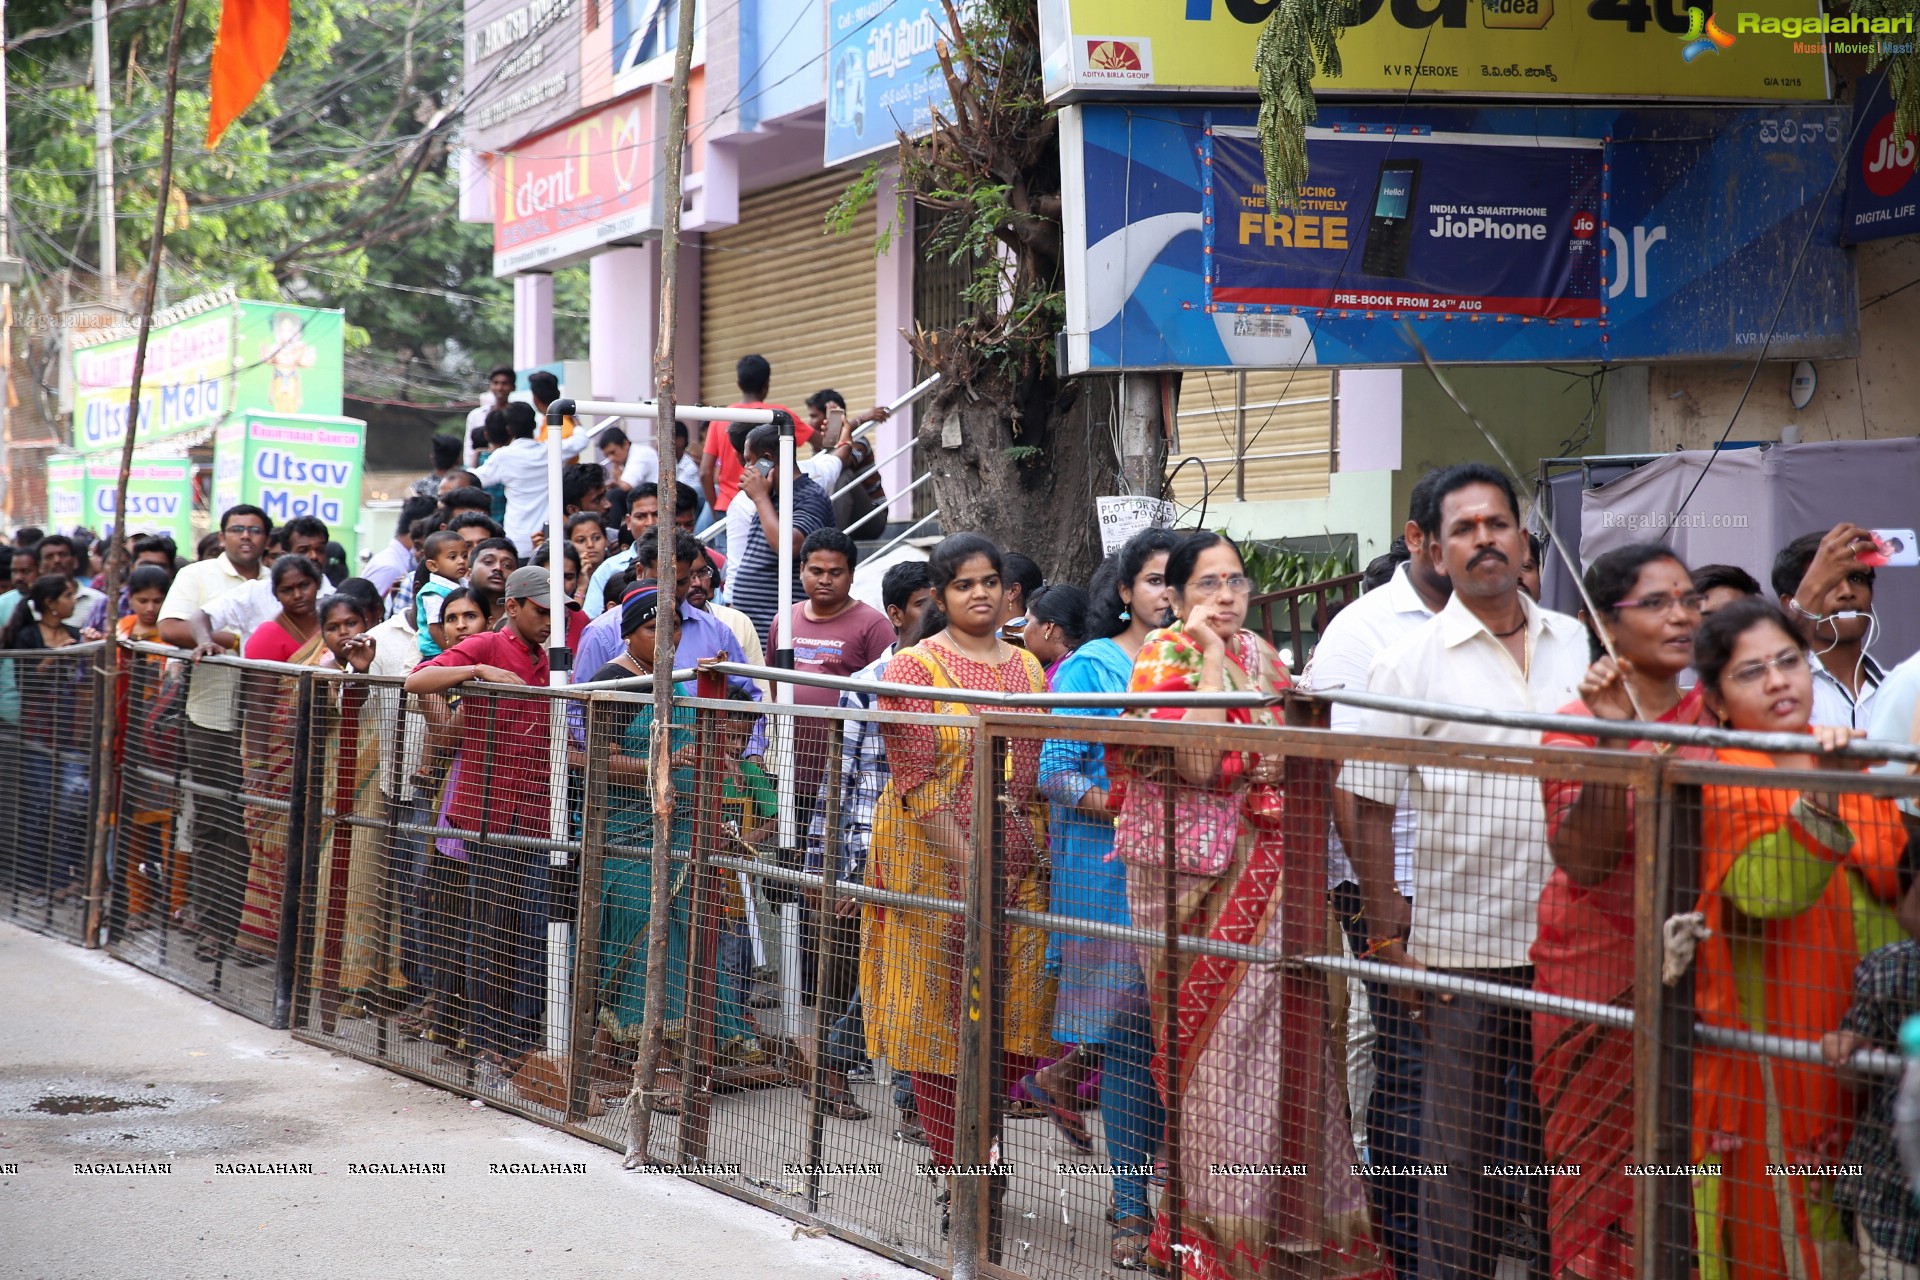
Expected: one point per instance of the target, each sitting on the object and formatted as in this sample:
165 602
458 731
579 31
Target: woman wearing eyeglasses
1797 885
1648 610
1232 1035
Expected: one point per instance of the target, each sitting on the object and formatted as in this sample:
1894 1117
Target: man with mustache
1480 861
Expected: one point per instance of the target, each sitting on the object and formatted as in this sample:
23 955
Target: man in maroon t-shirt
833 634
502 790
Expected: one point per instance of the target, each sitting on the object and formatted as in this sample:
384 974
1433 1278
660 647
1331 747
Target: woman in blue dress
1102 1008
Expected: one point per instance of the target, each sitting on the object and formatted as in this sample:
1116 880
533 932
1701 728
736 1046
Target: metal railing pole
587 978
287 946
823 917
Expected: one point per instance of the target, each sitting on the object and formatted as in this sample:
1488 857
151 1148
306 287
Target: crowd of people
1460 1127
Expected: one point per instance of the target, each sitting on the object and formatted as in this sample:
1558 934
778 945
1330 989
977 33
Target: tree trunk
1032 489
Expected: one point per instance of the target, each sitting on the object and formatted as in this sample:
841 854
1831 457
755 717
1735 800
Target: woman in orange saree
1583 1071
1796 886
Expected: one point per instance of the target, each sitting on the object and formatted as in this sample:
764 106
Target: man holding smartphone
755 576
1824 582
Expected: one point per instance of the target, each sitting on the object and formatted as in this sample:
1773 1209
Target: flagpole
107 710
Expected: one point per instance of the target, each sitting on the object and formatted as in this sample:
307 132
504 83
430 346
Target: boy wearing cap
507 794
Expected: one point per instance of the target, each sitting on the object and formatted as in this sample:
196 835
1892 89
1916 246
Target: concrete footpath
102 1065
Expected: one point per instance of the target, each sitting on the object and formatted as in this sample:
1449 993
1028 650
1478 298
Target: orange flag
252 40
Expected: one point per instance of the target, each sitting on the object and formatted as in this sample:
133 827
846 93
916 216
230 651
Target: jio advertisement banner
224 358
159 497
1883 200
296 465
1496 235
1414 220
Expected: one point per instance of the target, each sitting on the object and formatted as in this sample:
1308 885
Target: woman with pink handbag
1242 1211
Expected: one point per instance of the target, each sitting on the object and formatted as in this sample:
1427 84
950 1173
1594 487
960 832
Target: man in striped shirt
754 576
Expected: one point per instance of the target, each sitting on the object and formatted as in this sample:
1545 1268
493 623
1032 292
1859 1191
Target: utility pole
6 287
111 744
653 1021
103 157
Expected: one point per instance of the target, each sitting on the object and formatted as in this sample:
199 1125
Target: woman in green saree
626 875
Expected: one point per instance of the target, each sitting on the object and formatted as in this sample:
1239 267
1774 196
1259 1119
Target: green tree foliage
337 188
1300 37
1903 69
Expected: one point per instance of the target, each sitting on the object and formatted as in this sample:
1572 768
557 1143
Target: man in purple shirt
701 635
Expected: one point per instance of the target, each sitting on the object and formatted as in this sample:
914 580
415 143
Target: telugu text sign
1531 48
883 73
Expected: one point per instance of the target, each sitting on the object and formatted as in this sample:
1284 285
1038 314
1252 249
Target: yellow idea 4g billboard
1685 50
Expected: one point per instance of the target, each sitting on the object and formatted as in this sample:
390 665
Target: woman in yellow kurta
1797 886
923 843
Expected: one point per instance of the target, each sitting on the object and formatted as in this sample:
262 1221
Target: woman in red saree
1583 1072
1230 1027
1796 886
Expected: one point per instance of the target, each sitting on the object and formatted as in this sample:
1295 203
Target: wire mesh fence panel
1053 995
203 830
1806 965
47 704
439 913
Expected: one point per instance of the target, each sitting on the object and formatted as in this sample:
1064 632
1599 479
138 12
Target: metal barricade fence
1041 995
48 737
207 833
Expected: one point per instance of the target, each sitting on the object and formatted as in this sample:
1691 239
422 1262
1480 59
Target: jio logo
1889 162
1583 225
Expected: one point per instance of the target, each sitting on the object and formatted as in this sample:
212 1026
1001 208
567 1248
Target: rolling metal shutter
1264 435
780 285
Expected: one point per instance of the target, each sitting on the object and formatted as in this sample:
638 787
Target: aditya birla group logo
1118 60
1112 55
1703 35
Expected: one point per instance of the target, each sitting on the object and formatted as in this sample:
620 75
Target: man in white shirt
224 622
1827 590
391 569
500 384
522 468
213 737
1343 659
1480 857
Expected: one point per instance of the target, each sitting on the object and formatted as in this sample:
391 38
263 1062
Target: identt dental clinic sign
565 193
296 465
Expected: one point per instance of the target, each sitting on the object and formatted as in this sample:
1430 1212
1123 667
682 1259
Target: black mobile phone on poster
1390 232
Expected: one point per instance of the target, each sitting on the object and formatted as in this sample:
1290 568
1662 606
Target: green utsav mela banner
66 492
293 464
159 497
207 359
83 491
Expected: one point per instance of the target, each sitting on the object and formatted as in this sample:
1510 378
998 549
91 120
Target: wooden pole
652 1026
106 787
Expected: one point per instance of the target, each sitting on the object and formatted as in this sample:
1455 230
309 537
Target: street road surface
103 1066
